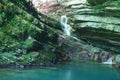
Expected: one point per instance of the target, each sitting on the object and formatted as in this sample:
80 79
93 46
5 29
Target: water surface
68 71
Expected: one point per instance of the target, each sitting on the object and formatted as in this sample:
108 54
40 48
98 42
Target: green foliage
1 6
8 58
45 56
27 43
117 4
2 15
27 59
96 2
16 26
107 3
11 58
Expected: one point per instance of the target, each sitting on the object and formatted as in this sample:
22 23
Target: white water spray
66 27
109 61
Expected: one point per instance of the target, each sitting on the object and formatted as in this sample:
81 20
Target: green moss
1 5
45 56
28 58
8 58
96 2
16 26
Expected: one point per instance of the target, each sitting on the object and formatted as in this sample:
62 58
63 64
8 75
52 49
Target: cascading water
109 61
66 27
67 31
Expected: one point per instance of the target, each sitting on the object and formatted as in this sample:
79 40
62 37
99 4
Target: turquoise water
69 71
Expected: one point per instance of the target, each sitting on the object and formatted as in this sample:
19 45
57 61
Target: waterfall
109 61
66 27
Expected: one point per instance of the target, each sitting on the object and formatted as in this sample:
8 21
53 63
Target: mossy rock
96 2
45 56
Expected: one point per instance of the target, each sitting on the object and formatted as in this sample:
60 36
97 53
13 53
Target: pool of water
68 71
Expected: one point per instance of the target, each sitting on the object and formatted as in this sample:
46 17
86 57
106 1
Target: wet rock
117 59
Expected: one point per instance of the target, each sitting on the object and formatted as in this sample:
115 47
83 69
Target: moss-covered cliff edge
26 36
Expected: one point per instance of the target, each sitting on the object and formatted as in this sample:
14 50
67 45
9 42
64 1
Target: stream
69 71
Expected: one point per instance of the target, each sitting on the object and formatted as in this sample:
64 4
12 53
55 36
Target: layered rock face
98 24
94 21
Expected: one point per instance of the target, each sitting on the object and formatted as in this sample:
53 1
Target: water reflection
68 75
